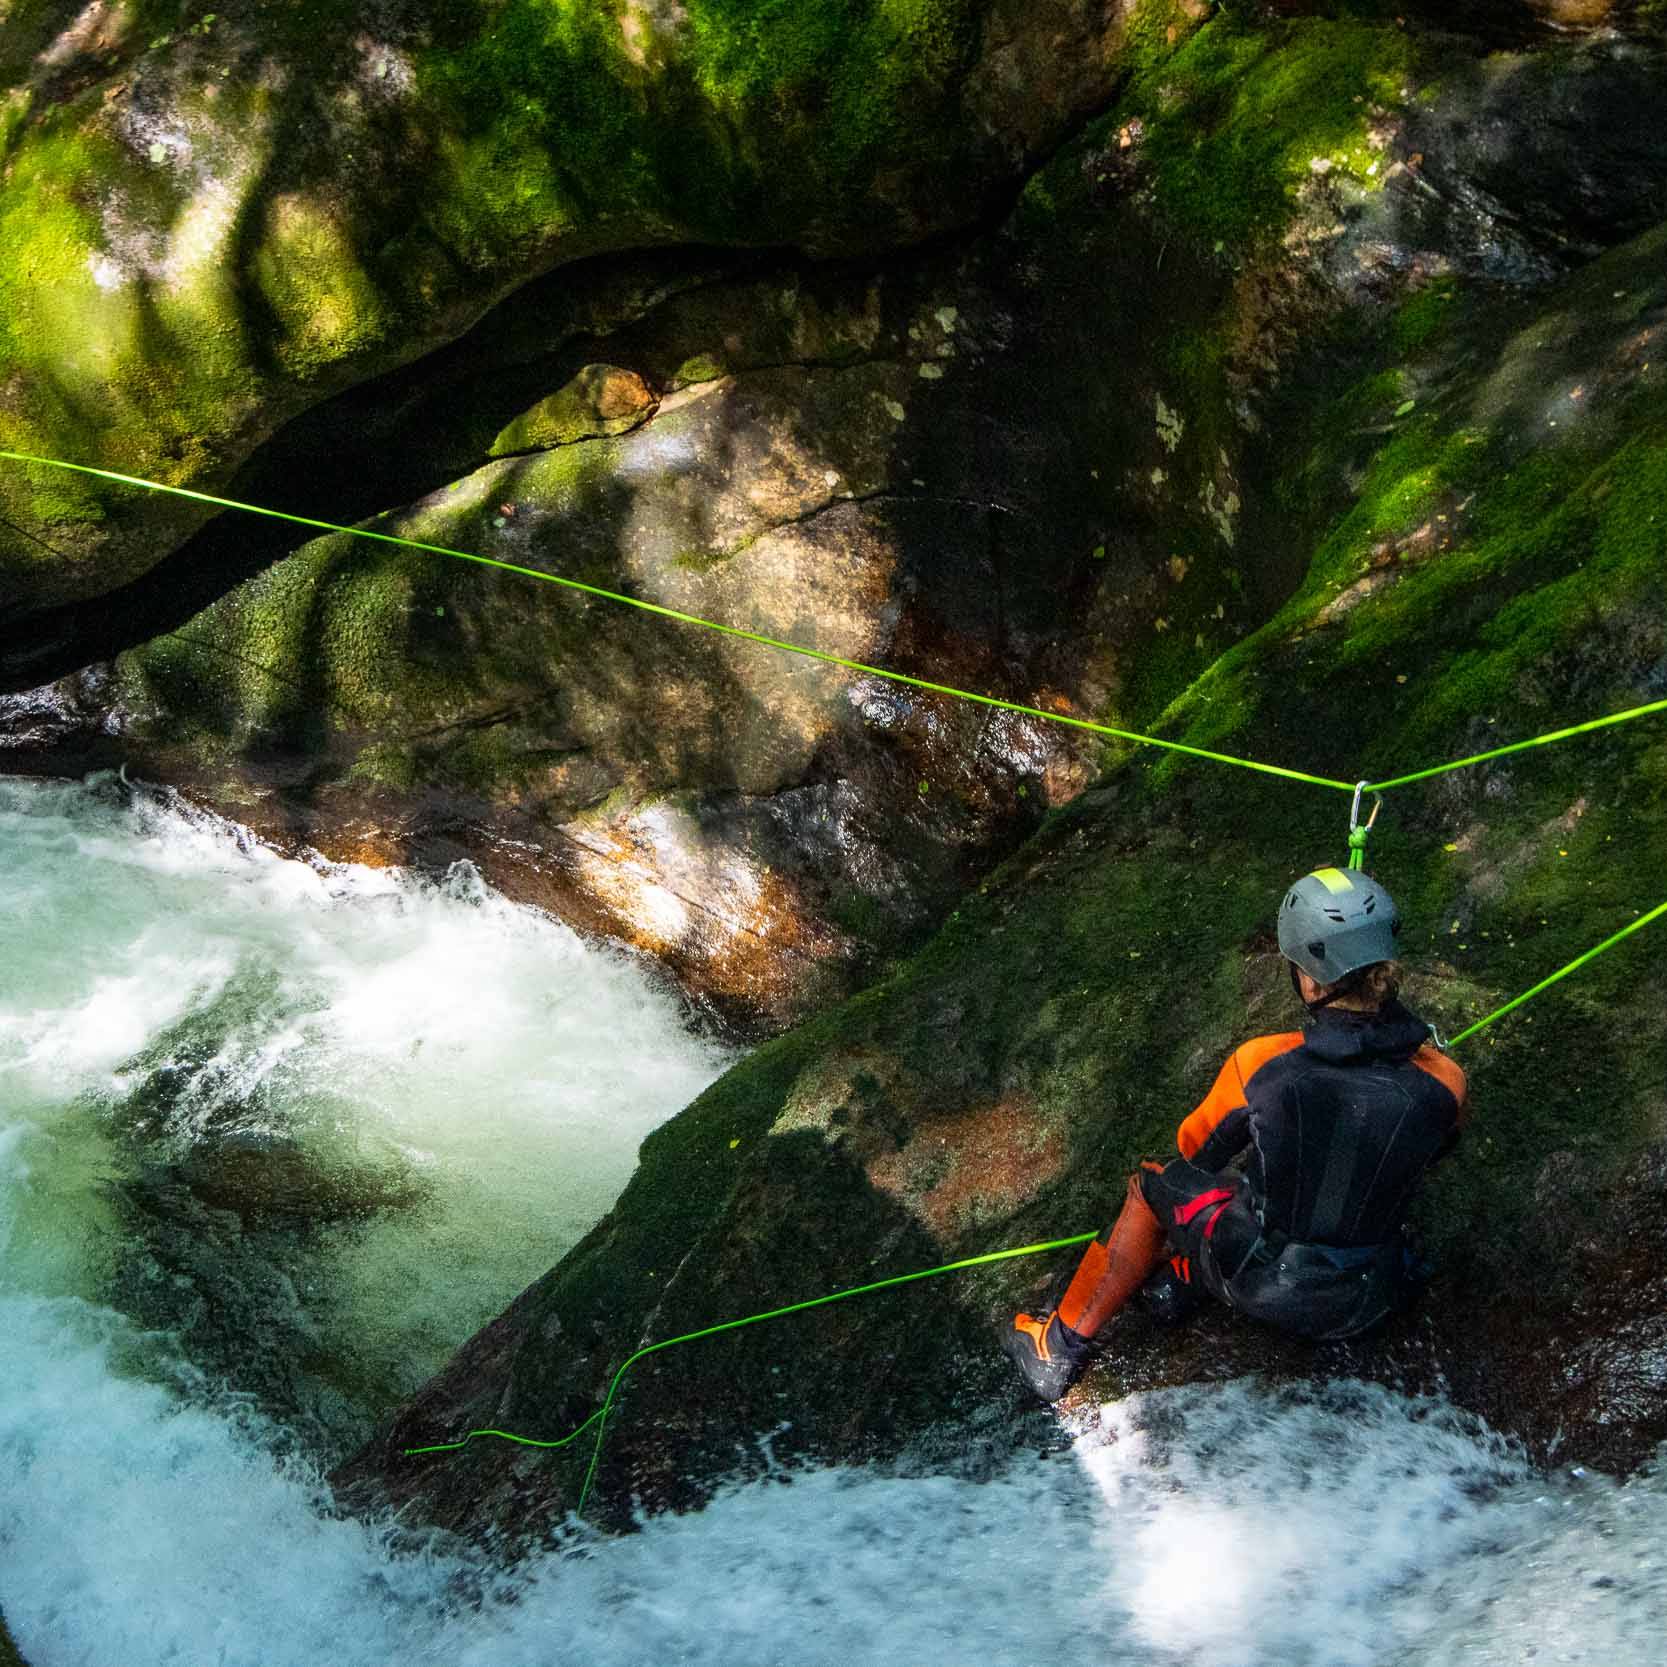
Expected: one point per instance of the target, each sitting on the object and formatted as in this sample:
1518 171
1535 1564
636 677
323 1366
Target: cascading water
322 1121
411 1099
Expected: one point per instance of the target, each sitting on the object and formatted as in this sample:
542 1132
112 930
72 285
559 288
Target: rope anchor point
1359 830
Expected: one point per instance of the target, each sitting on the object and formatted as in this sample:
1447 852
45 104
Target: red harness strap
1185 1212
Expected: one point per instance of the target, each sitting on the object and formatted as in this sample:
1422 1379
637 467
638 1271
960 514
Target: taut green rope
817 654
687 619
1518 746
1579 961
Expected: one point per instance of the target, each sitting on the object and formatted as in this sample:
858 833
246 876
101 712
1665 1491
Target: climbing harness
1358 834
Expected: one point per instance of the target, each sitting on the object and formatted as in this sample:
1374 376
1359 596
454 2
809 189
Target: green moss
578 410
1235 119
14 111
685 1169
387 764
1539 602
566 112
701 560
703 367
1422 314
1058 192
50 302
1169 663
325 304
107 363
356 646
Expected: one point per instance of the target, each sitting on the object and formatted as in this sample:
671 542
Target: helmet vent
1371 904
1317 950
1335 914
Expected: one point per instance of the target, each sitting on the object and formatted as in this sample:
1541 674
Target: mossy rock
811 484
999 1085
211 226
600 400
823 463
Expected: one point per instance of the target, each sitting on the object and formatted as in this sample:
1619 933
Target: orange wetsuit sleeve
1438 1065
1227 1095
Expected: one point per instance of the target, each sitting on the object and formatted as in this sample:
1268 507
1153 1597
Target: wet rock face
1518 23
1550 167
800 455
294 210
1493 460
215 225
1035 464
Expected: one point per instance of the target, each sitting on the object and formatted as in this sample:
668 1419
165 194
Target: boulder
210 228
1473 480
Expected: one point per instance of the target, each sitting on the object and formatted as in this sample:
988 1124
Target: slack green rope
524 1440
687 619
600 1416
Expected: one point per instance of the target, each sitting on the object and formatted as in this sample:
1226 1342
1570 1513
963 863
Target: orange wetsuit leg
1114 1266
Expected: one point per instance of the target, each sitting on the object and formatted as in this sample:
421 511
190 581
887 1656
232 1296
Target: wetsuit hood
1343 1036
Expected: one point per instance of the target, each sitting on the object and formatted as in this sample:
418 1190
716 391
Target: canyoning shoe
1049 1355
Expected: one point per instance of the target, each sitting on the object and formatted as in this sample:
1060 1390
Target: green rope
799 1308
1357 845
1519 746
1544 983
600 1416
506 1435
831 659
689 619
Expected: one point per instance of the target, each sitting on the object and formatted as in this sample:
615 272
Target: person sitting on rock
1340 1120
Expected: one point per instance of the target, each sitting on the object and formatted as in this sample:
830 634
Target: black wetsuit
1340 1120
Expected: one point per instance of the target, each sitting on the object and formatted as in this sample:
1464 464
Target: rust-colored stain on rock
972 1167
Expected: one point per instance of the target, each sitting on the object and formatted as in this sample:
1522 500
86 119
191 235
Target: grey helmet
1335 921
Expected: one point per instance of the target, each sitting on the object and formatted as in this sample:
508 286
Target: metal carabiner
1358 830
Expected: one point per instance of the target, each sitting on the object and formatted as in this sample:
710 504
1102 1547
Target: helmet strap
1345 987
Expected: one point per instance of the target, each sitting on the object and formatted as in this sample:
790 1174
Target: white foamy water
144 1519
430 1042
1208 1526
